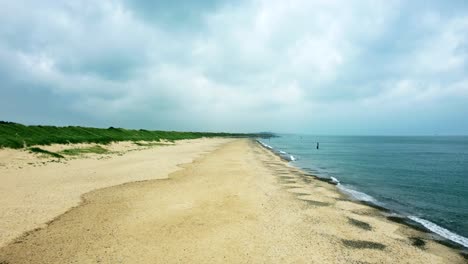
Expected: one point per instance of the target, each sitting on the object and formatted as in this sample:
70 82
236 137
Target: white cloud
247 65
446 50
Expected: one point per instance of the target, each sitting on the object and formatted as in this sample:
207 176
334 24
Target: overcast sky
317 67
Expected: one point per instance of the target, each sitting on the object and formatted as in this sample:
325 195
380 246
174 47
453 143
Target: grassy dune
14 135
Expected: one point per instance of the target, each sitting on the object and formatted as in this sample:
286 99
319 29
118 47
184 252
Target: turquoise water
424 178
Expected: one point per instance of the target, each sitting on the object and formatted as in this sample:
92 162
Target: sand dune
237 204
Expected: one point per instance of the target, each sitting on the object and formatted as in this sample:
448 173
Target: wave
265 145
447 234
335 180
363 197
284 155
360 196
441 231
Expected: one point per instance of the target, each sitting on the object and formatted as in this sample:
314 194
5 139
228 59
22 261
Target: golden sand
237 204
35 189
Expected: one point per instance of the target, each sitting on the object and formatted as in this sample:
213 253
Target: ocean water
422 178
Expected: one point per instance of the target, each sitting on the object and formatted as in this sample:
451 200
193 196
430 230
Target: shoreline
260 209
390 214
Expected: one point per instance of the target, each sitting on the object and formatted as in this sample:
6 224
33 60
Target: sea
421 178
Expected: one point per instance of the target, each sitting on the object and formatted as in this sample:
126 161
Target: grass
149 144
14 135
79 151
46 152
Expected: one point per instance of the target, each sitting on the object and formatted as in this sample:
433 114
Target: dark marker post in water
317 145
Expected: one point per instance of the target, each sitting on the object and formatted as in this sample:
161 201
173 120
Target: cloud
254 65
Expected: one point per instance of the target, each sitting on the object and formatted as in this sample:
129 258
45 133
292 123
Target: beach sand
36 189
239 203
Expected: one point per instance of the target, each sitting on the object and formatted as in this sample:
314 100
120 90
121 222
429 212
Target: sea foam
441 231
282 154
335 180
360 196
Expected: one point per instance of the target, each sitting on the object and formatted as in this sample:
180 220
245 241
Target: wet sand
237 204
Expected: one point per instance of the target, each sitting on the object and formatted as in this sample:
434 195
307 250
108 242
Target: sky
298 66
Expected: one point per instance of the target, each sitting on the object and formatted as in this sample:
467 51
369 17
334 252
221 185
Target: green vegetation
150 144
78 151
46 152
13 135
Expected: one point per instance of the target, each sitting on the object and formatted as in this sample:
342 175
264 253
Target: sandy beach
35 189
232 201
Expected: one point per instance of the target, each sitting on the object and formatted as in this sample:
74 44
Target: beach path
237 204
